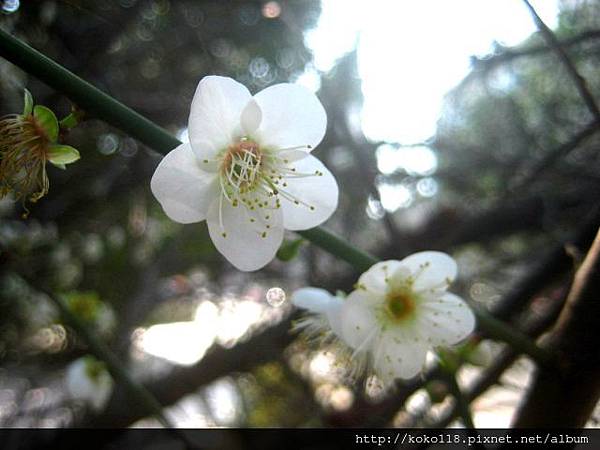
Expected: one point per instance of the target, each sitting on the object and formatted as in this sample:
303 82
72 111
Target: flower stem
104 107
120 116
462 403
339 247
84 95
496 329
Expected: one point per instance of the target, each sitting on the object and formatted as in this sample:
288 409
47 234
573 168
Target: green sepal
47 120
27 103
69 121
62 154
449 359
289 249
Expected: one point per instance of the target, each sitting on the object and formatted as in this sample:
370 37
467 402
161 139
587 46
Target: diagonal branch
509 54
483 65
115 113
579 81
561 151
566 395
265 346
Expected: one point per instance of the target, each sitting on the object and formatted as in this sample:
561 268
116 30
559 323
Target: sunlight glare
394 196
418 160
411 53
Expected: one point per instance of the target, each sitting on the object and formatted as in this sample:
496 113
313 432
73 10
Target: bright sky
413 52
410 54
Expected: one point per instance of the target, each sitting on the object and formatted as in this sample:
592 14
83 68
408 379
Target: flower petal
291 116
444 320
431 270
215 114
292 155
375 280
359 324
334 316
314 299
183 189
403 359
244 245
251 118
317 195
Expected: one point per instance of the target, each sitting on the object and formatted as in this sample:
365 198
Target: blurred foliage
100 234
272 399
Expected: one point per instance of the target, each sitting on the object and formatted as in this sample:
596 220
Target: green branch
339 247
111 111
84 95
496 329
120 116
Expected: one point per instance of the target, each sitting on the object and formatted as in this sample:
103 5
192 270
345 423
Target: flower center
255 179
242 164
399 305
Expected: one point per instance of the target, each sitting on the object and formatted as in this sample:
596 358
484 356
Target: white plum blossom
247 169
88 380
399 311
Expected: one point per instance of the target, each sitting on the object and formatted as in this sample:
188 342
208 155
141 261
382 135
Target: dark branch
566 395
263 347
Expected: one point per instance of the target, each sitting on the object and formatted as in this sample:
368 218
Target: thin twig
559 152
486 63
580 82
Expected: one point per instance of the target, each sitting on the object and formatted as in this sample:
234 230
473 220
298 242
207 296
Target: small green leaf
47 120
62 154
27 103
289 249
